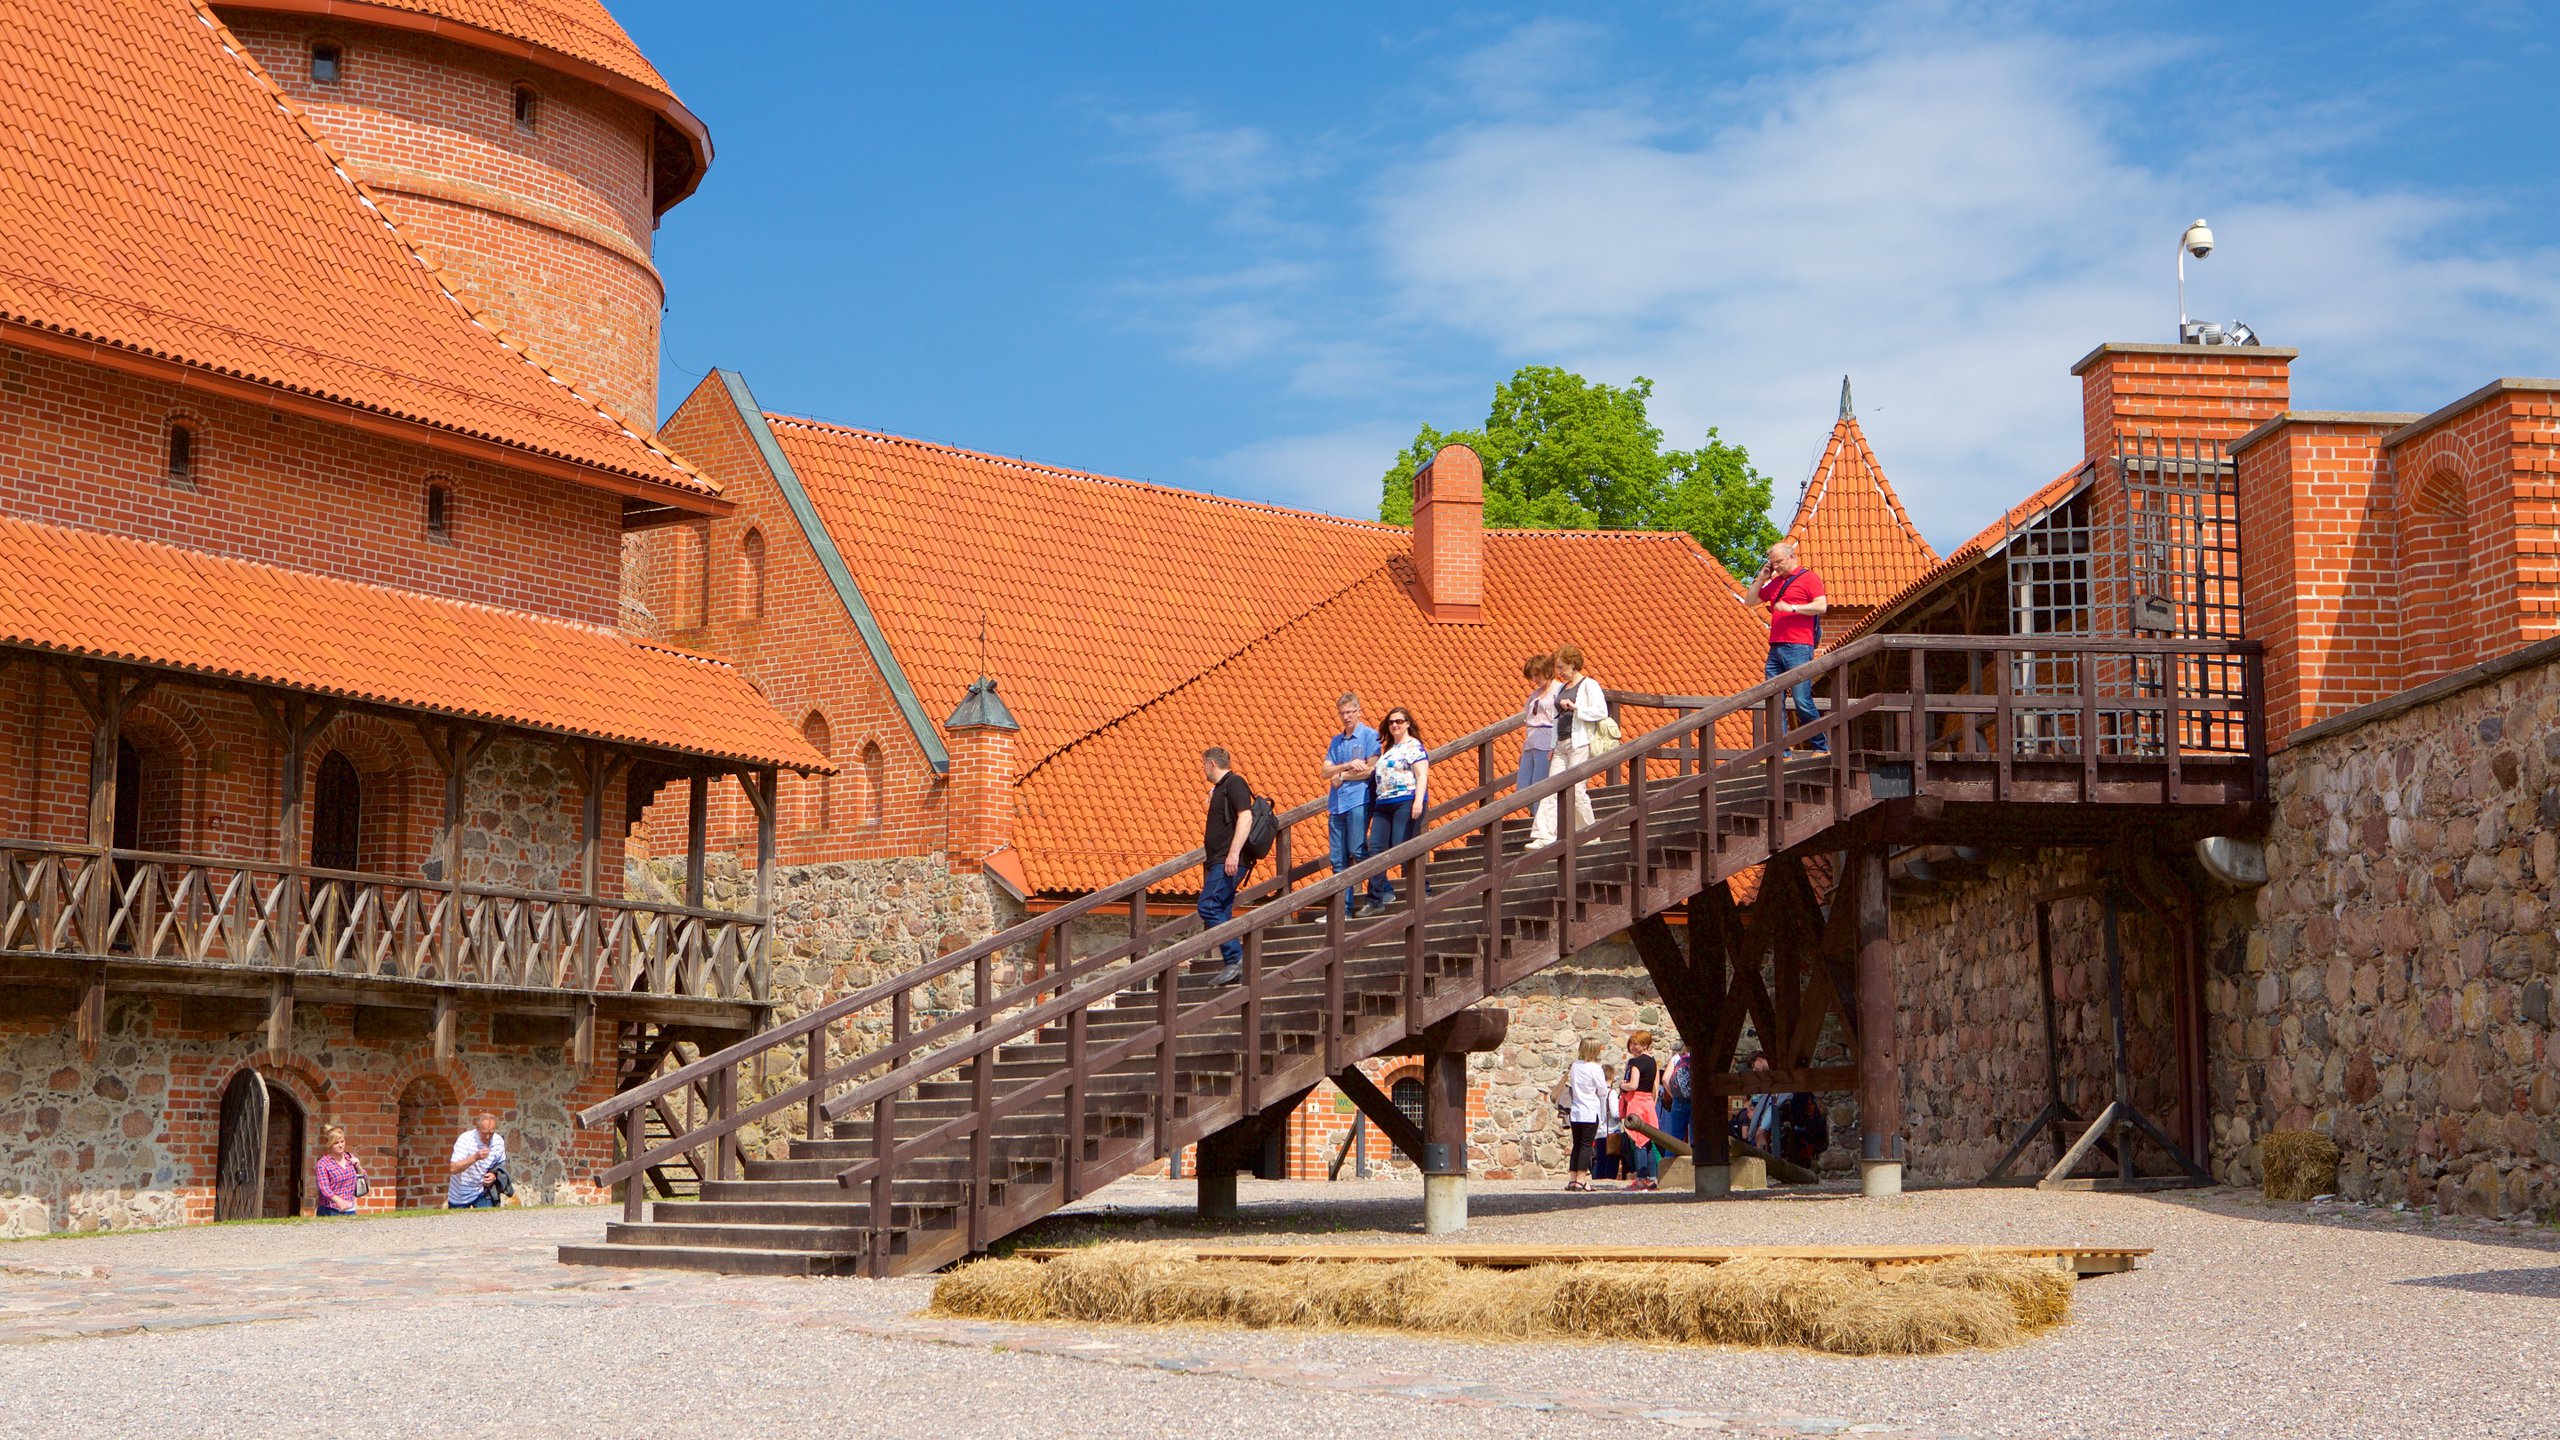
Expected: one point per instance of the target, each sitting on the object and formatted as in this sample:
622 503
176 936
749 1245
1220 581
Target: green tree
1561 453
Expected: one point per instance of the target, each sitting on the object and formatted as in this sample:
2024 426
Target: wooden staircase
939 1138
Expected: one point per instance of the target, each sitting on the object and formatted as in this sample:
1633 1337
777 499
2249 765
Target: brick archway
431 1113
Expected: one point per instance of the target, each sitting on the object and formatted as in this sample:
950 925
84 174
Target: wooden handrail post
724 1103
1073 1169
1335 1021
1774 773
982 1075
1638 861
635 1142
815 1124
697 821
884 1142
1249 1085
1916 724
2004 722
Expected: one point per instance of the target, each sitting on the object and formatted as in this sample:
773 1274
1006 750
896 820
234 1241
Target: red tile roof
165 209
1098 594
1654 612
112 597
1851 527
574 37
1991 539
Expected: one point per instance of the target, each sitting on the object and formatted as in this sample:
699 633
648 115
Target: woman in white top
1587 1102
1401 783
1588 705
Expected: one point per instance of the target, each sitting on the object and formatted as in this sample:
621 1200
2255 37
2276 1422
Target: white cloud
1941 209
1335 471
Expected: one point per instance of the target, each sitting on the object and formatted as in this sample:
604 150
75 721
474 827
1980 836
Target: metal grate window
1407 1093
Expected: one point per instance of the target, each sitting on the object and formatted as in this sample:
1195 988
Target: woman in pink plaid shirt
338 1173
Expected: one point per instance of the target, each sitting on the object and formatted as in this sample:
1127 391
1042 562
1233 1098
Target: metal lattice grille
2051 592
2177 577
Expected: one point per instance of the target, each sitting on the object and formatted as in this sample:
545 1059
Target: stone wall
1970 1017
843 926
2392 983
131 1138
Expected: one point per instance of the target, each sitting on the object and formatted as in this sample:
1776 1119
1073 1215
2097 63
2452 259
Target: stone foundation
2392 984
131 1138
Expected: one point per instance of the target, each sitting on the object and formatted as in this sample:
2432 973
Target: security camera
2198 240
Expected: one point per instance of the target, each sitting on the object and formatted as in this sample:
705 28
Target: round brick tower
526 145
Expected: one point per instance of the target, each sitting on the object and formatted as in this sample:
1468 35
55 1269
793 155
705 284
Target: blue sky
1248 250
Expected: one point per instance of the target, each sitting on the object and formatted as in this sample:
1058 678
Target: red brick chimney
980 812
1448 536
2200 392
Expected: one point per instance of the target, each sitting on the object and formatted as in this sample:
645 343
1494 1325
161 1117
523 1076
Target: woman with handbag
1583 729
1583 1095
339 1176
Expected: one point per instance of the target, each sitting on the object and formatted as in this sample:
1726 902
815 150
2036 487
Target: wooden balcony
203 925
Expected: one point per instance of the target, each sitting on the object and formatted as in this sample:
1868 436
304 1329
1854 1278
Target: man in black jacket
1223 865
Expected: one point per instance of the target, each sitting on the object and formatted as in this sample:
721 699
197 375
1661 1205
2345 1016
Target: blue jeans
1783 658
1675 1119
1391 823
1218 902
485 1200
1534 765
1347 835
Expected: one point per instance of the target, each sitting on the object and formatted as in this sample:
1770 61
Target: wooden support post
2112 938
582 1038
280 1017
764 792
1444 1141
106 717
448 1023
696 828
635 1141
91 1022
1879 1064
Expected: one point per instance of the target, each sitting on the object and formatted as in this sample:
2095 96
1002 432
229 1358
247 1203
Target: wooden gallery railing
150 907
1714 767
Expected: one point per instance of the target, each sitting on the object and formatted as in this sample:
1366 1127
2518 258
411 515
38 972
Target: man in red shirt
1796 604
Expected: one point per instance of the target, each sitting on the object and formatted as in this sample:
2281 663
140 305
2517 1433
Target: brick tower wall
545 228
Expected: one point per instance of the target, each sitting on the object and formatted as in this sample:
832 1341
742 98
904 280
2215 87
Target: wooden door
240 1184
337 815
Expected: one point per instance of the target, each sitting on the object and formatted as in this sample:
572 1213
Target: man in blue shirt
1348 759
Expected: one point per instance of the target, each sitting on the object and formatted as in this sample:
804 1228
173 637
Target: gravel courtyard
2252 1319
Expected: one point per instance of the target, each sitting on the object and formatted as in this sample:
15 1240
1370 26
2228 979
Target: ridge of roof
1859 554
1205 673
831 563
1988 541
1067 472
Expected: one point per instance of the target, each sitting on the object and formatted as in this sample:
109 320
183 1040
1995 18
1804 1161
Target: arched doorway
337 815
259 1167
430 1116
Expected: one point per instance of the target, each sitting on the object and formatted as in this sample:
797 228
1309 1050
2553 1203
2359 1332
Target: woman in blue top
1402 777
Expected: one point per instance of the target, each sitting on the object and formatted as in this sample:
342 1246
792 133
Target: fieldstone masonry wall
130 1138
1970 1022
2392 983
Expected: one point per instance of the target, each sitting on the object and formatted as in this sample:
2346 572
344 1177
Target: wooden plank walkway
2083 1259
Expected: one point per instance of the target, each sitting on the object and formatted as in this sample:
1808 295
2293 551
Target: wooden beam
280 1017
90 1022
1879 1065
1776 1082
1444 1112
447 1021
1400 1131
696 823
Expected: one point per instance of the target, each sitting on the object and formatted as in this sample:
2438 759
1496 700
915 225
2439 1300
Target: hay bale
1372 1294
2038 1291
1902 1319
1762 1301
1490 1304
994 1290
1109 1283
1974 1301
2298 1164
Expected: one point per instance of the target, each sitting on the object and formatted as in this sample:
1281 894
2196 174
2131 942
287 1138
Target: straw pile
2298 1164
1974 1302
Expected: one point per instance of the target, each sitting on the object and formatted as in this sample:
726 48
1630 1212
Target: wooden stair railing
969 1109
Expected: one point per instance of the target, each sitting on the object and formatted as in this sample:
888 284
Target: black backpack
1265 830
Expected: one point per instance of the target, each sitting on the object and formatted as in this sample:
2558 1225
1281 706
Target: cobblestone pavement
2252 1320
